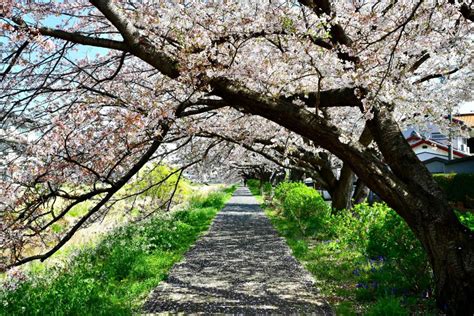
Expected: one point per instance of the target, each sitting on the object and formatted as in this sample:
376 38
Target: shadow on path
241 266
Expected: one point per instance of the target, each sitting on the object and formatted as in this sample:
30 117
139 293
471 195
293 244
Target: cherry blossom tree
314 67
290 151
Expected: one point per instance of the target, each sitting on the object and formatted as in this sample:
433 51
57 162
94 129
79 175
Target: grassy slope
347 278
356 284
115 276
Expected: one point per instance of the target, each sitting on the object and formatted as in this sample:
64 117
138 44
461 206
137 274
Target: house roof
419 141
449 162
468 119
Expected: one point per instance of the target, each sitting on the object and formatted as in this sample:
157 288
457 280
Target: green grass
332 268
115 276
254 186
364 262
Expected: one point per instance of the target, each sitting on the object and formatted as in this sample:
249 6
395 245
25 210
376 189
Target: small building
428 148
432 146
440 165
468 119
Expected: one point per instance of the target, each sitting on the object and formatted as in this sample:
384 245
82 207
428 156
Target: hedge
458 187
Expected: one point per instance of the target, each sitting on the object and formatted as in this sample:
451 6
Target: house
440 165
468 120
428 141
429 148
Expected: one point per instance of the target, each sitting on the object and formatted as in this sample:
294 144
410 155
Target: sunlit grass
114 276
361 263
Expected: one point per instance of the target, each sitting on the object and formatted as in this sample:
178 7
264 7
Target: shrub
305 206
259 188
254 186
283 188
467 219
388 306
213 199
267 188
406 267
353 226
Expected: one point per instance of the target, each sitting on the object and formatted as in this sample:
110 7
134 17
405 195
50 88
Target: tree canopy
108 86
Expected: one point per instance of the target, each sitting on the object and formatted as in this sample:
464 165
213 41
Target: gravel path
241 266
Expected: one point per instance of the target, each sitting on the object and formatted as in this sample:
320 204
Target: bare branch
111 191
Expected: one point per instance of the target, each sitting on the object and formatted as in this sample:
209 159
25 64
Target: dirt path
241 266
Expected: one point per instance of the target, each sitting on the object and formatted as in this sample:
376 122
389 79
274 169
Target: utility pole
450 139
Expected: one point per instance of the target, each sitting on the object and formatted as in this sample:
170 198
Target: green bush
213 199
467 219
283 188
306 207
258 188
387 306
267 188
254 186
395 260
405 267
458 187
353 226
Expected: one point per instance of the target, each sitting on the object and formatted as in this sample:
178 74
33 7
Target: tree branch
14 60
137 44
433 76
75 37
117 186
342 97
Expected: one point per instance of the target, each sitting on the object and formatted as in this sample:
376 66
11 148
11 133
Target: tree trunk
342 193
361 192
296 175
450 249
449 244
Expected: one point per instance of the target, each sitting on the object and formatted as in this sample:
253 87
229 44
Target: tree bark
296 175
342 193
361 192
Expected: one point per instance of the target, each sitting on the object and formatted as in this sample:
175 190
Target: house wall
460 167
431 152
436 167
460 143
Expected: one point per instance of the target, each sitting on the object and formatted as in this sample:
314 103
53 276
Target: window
437 135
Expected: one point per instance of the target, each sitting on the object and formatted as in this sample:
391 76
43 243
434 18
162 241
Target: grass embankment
365 261
259 190
115 276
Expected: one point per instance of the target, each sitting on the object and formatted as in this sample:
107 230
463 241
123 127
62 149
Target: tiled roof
466 118
414 143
